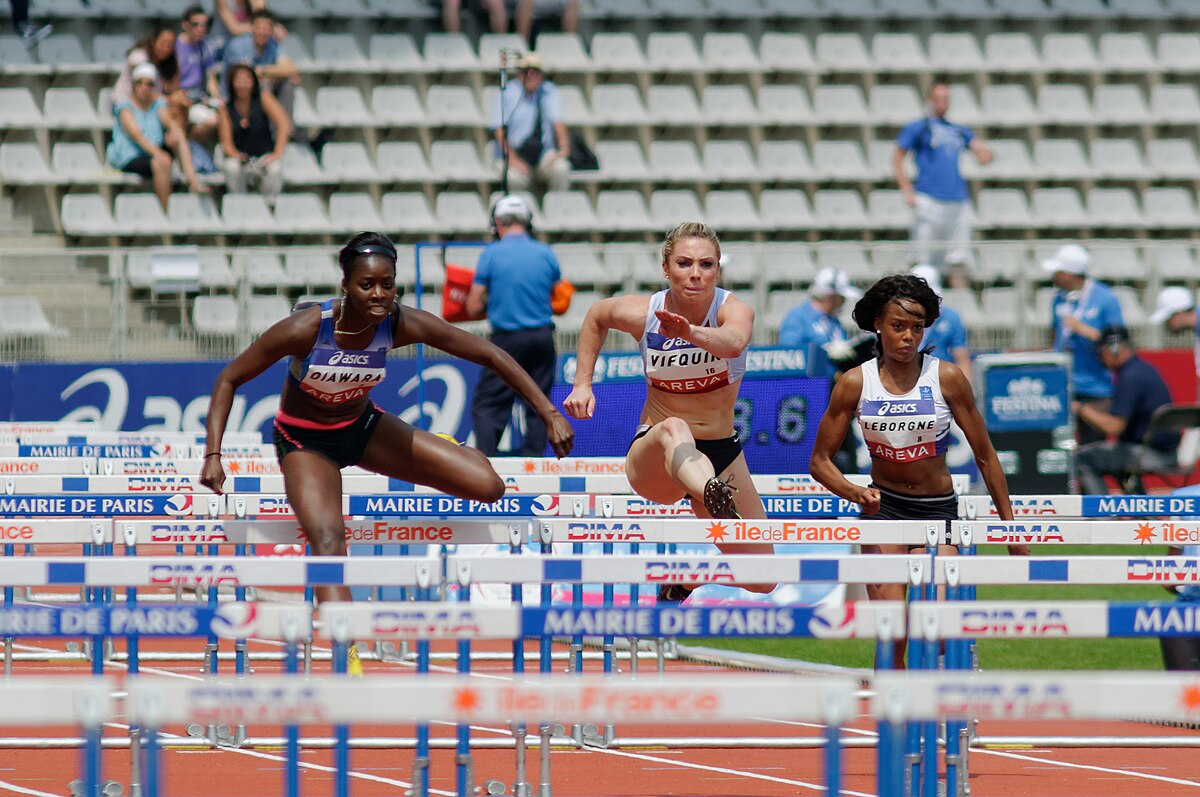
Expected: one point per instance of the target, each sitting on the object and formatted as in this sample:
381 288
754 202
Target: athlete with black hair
326 419
904 400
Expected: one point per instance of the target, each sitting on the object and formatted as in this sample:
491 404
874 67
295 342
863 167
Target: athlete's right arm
835 425
622 313
294 335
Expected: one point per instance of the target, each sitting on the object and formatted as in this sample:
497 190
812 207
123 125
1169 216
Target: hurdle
950 696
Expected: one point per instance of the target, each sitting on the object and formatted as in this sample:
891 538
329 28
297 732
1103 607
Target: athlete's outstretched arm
293 335
622 313
418 326
731 336
835 425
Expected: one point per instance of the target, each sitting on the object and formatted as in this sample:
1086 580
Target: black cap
1112 335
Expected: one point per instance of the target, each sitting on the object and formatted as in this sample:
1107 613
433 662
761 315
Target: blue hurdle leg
292 732
150 779
886 755
577 606
91 761
833 761
341 748
421 760
462 773
929 732
9 595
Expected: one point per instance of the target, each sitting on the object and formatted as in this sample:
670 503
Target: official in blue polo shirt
1176 307
947 338
513 282
941 226
1082 307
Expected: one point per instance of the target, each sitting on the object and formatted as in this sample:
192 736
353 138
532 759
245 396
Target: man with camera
1138 391
528 125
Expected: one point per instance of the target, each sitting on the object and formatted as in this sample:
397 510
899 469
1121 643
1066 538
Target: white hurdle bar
204 571
411 571
67 700
1131 569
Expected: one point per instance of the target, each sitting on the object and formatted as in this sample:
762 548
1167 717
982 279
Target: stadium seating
773 119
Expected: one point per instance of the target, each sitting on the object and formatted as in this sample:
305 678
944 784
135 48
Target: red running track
595 772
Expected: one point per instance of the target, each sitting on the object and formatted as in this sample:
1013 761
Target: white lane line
708 768
641 756
241 751
1092 767
1050 763
15 789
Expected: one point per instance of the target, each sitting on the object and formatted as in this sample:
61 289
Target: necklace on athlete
337 331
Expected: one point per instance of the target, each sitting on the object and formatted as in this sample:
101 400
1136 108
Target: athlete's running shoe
354 666
673 593
718 499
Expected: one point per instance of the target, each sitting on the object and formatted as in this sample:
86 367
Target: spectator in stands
528 125
30 36
940 198
157 48
815 329
497 13
144 127
528 10
1176 307
199 90
513 284
277 73
254 131
947 338
1082 307
1138 392
232 18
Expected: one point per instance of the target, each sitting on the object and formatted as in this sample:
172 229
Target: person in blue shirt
941 226
814 328
1138 392
535 151
513 283
947 338
277 73
1082 307
1176 307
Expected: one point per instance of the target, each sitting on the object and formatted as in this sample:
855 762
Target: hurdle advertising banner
777 412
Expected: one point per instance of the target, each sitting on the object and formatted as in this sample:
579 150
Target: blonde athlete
693 338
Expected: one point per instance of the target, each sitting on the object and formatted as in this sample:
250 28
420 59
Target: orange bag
455 290
560 297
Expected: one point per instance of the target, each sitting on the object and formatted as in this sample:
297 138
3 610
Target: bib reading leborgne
908 427
676 366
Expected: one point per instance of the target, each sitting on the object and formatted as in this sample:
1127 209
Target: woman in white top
693 338
904 400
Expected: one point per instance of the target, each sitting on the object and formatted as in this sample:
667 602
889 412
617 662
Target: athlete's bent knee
327 540
676 429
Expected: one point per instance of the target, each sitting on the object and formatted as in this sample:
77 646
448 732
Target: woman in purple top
326 419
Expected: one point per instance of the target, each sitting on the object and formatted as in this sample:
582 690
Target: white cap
831 281
931 276
512 205
1072 258
146 71
1171 301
